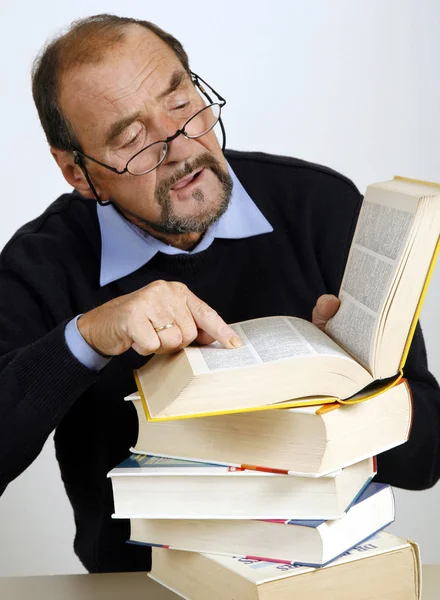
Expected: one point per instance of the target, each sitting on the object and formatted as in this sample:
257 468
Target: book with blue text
383 567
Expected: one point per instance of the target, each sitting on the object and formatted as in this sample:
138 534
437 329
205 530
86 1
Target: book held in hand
385 567
288 361
312 543
152 487
309 441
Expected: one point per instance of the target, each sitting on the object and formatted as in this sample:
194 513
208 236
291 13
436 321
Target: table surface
114 586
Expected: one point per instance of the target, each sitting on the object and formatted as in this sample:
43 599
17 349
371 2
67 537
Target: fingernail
236 342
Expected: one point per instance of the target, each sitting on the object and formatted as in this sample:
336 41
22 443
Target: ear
73 173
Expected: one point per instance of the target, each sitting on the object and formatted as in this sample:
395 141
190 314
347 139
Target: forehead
133 71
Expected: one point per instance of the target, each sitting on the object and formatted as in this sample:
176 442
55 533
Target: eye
132 141
181 106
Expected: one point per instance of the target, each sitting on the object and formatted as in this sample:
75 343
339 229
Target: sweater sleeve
415 465
40 379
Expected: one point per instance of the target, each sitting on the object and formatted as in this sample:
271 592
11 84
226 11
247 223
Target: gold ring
163 327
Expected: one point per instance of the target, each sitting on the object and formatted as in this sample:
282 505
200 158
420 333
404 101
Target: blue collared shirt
126 248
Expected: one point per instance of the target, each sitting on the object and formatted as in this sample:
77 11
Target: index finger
208 320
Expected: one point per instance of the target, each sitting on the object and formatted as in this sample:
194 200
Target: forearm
416 464
39 383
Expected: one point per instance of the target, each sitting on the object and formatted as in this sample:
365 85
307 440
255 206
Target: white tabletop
133 586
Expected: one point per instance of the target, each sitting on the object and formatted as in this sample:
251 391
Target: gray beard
172 224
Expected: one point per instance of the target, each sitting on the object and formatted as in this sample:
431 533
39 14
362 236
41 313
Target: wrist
85 328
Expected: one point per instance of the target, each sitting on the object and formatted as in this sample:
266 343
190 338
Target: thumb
326 307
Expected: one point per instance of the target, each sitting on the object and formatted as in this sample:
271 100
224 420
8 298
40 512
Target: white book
312 543
160 488
384 567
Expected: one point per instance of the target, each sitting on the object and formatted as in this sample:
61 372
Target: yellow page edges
375 393
278 406
419 305
428 275
328 403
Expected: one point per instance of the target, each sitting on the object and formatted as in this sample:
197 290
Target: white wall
353 84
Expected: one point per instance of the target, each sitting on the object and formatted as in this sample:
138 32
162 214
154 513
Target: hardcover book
311 543
286 361
308 441
153 487
384 567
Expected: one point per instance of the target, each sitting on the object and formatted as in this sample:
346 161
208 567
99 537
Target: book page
270 339
381 237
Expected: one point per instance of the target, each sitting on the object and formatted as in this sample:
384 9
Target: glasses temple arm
197 80
79 161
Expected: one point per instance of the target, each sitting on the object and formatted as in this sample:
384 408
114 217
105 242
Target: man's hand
130 321
326 307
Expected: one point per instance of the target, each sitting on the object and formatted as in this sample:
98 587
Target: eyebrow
176 79
118 127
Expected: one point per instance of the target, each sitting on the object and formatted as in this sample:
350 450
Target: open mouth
187 180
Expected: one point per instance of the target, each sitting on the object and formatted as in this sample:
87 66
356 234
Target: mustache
204 160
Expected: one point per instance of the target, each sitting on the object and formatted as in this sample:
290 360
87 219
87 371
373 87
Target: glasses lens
147 159
203 121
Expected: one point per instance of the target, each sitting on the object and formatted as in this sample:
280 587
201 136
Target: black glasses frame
196 79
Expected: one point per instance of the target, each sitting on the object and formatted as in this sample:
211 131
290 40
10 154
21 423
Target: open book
290 361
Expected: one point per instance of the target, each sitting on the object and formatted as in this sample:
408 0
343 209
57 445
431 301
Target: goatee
172 224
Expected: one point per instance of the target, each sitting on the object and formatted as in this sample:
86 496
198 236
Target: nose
180 149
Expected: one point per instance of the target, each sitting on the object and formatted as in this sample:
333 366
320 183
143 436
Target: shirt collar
126 247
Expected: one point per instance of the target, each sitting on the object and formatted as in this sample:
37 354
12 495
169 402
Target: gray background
350 84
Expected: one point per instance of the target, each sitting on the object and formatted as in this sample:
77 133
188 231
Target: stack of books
314 504
252 473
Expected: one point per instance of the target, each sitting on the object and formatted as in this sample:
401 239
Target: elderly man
164 240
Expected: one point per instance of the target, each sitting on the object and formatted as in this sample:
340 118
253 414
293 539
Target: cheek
134 193
138 191
211 143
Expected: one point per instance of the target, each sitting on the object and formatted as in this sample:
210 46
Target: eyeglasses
150 157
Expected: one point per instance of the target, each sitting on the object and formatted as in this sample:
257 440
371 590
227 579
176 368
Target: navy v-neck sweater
49 272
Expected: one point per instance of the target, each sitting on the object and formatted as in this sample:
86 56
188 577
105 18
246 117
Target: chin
191 221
